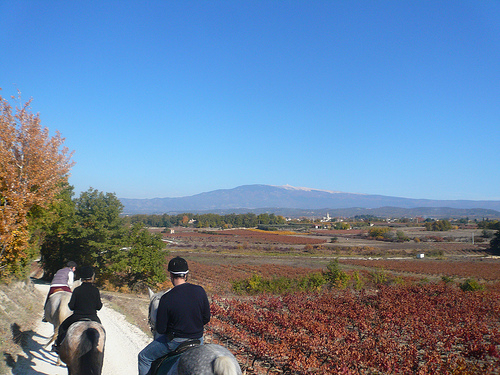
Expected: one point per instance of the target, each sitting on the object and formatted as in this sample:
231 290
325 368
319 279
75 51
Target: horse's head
154 301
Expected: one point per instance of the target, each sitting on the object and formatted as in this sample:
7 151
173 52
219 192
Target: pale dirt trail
123 342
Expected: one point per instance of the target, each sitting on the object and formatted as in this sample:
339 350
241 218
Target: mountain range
296 202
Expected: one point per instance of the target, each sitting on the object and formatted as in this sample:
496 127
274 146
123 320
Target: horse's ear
151 294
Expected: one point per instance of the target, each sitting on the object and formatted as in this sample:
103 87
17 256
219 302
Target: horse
191 358
57 310
83 348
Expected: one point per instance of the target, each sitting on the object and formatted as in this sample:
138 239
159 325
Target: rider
85 301
182 314
62 281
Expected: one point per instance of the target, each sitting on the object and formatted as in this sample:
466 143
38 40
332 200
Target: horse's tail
90 357
224 365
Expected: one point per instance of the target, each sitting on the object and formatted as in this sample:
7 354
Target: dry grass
20 308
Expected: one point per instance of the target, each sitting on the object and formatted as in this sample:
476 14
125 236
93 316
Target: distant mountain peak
259 196
290 187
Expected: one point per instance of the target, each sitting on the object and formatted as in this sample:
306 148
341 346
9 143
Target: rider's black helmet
86 273
71 264
178 266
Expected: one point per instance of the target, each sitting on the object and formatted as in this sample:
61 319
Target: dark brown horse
83 348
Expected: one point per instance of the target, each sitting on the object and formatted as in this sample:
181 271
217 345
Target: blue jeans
156 349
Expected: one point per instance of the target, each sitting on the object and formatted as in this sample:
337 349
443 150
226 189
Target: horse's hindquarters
83 348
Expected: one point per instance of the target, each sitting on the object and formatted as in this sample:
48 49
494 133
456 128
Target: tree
378 232
495 243
438 225
56 227
33 170
89 230
99 228
143 259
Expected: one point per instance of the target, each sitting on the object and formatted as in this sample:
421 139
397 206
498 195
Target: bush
379 277
335 276
447 279
358 281
376 232
402 237
471 285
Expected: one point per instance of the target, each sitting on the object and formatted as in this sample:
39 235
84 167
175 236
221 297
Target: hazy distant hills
296 202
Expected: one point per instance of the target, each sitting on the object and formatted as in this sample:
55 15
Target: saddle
162 365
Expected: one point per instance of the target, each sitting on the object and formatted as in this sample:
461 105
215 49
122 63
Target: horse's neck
76 284
154 301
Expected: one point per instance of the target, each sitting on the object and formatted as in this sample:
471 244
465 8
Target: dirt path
123 343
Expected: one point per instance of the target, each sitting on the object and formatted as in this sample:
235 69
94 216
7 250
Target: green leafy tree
438 225
89 230
99 230
495 244
56 228
142 260
378 232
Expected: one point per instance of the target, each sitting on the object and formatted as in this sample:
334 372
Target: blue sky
174 98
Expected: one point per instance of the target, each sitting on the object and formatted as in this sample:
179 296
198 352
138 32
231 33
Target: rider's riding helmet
178 266
86 273
71 264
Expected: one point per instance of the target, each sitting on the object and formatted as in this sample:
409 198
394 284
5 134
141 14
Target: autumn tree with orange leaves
33 169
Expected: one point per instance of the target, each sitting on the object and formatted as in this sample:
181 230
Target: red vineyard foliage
217 278
244 235
396 330
487 270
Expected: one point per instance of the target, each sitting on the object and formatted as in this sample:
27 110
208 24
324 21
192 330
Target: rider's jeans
156 349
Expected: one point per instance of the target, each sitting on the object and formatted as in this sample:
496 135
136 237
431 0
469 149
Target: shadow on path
34 353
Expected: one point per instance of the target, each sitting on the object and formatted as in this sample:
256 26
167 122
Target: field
328 242
395 314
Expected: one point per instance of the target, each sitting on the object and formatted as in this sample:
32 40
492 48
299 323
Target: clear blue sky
174 98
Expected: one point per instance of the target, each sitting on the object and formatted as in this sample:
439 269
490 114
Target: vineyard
396 330
481 269
244 235
388 316
322 242
406 328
